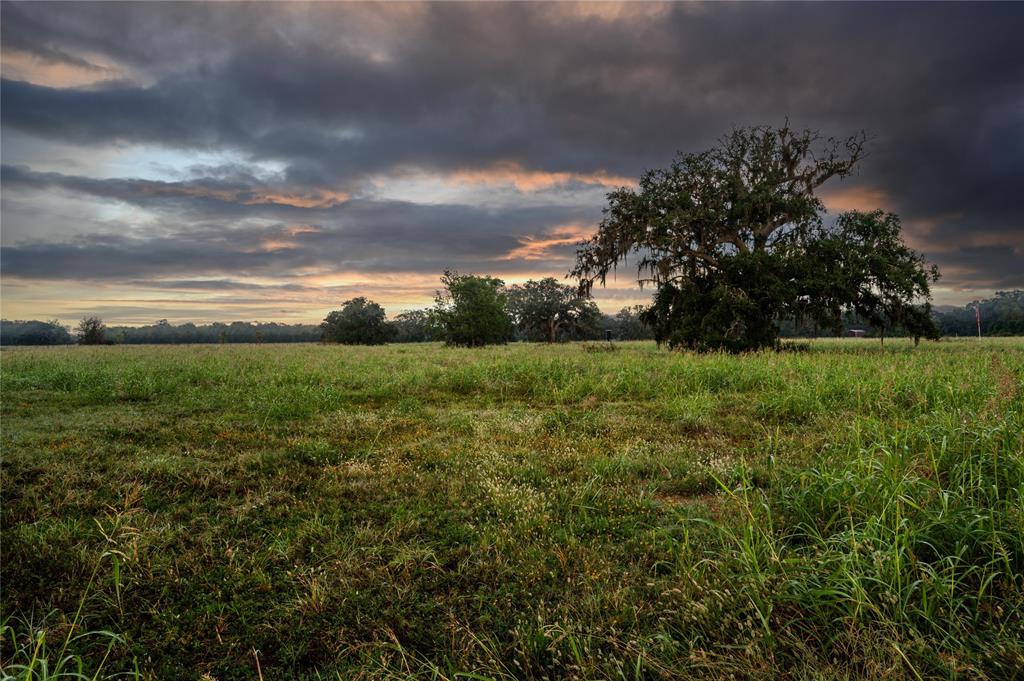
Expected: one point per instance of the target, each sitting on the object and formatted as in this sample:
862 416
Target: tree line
519 316
1001 315
92 331
475 310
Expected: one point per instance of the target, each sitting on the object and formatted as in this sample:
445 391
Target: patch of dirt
715 503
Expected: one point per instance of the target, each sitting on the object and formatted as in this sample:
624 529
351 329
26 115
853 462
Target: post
977 318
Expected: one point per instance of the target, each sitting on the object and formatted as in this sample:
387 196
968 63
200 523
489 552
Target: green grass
849 512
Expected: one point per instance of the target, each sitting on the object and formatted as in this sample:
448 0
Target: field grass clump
922 558
848 511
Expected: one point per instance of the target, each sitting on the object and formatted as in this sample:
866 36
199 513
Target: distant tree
358 322
712 231
588 324
163 332
627 324
415 326
733 241
33 333
1004 314
471 310
91 331
549 310
1001 315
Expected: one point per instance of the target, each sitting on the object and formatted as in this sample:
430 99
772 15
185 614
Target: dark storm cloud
359 235
337 94
203 195
114 258
214 285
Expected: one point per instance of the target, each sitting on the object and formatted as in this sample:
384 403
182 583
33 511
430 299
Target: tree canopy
91 331
862 265
733 240
358 322
33 332
472 311
550 310
414 326
628 324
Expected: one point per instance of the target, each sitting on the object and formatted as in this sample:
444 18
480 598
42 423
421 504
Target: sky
230 161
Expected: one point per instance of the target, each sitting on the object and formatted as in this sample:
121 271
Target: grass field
414 511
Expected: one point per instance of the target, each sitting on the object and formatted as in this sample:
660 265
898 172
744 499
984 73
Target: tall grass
895 559
847 512
42 651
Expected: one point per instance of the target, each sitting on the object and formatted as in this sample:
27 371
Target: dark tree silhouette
862 265
358 322
415 326
728 237
33 332
91 331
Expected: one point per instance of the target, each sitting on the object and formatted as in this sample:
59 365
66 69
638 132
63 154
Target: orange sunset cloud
508 172
539 247
855 198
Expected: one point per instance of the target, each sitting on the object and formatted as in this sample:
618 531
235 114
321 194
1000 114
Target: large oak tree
732 239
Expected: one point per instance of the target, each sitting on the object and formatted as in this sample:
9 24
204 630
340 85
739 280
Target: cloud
495 124
506 172
364 235
144 191
58 70
839 199
540 247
